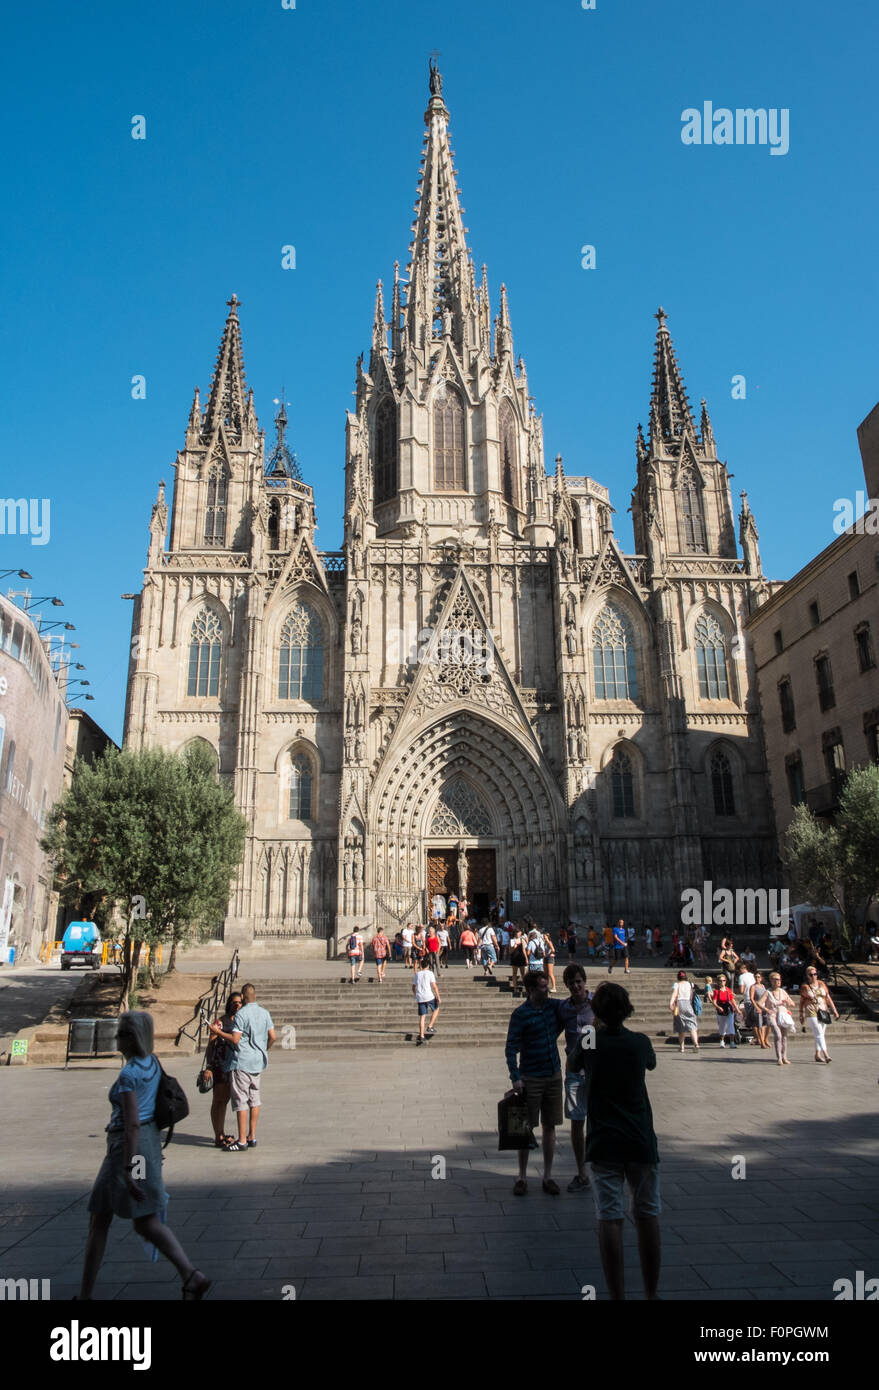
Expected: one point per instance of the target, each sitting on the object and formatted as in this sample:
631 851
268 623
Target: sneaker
430 1032
723 1042
551 1186
418 1042
578 1184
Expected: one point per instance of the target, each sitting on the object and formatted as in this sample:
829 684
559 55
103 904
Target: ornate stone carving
459 811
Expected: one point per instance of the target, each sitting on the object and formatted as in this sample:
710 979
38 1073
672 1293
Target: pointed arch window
722 785
205 643
613 656
622 784
385 451
275 524
448 441
711 658
692 516
301 785
215 511
509 470
301 668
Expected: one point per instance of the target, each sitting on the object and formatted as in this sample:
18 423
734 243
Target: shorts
245 1090
543 1095
488 954
619 951
427 1008
607 1181
576 1092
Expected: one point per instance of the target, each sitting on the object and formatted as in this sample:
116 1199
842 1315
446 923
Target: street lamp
22 574
47 627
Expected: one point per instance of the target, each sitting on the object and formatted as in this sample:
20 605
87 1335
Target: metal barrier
207 1007
91 1037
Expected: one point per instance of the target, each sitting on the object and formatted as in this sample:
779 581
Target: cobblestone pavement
342 1199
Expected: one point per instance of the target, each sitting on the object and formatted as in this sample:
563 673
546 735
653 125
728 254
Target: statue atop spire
436 77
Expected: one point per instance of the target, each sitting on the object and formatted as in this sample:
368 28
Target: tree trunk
126 973
172 959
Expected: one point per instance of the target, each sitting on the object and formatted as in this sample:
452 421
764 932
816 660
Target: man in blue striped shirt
536 1072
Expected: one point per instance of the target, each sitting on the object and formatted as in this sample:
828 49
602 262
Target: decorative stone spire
503 336
226 403
706 432
379 327
282 462
193 428
670 410
749 537
439 281
395 312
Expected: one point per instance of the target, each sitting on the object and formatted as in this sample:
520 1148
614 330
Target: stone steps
330 1014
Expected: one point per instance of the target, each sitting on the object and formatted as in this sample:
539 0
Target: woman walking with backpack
354 951
129 1183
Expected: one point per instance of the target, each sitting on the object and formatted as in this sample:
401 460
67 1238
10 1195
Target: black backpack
171 1104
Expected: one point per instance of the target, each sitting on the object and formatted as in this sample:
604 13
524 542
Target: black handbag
825 1016
171 1104
513 1129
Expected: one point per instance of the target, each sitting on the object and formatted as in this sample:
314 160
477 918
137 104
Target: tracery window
385 450
205 643
722 785
459 811
301 666
215 511
692 517
622 784
508 453
448 441
711 658
301 779
613 656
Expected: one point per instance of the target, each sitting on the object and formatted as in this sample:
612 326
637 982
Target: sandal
551 1186
191 1292
520 1187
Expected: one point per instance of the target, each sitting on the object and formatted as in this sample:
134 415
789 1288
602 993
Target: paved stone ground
27 993
339 1200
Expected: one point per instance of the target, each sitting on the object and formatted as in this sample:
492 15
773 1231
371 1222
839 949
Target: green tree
839 863
157 836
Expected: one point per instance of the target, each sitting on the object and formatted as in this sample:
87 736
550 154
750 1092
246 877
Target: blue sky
268 127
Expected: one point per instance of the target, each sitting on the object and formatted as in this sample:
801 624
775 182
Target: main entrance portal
481 881
443 877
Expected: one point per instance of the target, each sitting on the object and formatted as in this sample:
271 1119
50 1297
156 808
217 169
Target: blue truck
81 945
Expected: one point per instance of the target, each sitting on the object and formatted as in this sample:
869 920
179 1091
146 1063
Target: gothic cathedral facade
480 691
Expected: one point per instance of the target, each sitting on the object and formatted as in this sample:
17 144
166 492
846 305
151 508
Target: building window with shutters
786 703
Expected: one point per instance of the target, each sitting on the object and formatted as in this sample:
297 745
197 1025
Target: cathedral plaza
378 1177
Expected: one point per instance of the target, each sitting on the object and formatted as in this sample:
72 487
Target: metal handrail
207 1006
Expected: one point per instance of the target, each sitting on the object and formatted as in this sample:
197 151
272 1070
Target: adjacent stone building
33 724
815 650
480 691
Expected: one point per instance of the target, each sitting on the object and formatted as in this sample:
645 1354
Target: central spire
228 395
669 408
441 284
